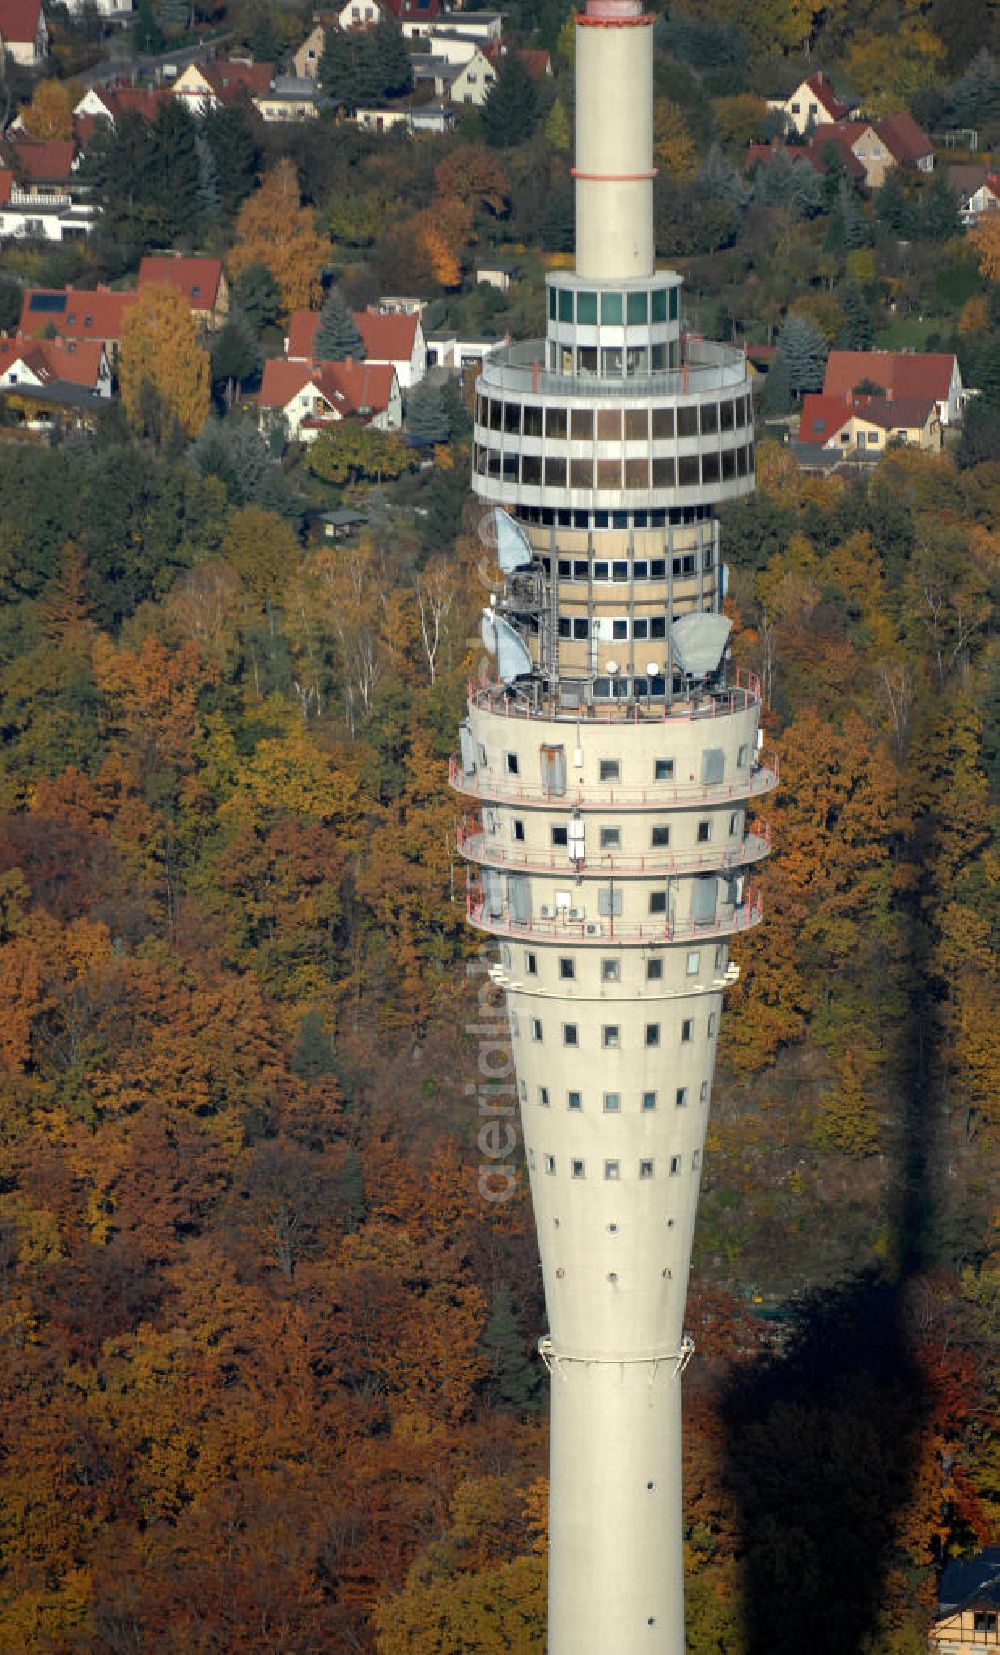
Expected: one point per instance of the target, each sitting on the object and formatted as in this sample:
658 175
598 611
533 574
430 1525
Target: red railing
661 796
477 846
601 932
737 697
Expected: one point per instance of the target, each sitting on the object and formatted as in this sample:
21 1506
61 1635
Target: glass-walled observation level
618 332
600 453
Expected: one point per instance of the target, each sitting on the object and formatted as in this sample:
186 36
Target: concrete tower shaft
612 774
614 141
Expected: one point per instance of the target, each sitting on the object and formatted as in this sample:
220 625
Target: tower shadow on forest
823 1438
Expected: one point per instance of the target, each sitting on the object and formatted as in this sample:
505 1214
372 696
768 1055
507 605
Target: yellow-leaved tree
163 371
674 148
274 229
50 112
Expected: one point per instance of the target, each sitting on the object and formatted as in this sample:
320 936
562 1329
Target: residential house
24 32
110 103
414 16
900 374
308 397
968 1613
76 315
881 146
419 117
40 195
480 25
204 86
813 103
977 191
358 16
498 273
389 338
447 349
813 153
864 425
470 82
536 61
290 98
201 281
307 59
41 362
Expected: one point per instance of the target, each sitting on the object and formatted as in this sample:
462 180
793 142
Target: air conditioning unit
575 913
547 911
593 928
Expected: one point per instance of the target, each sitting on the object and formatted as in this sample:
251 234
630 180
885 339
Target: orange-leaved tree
274 229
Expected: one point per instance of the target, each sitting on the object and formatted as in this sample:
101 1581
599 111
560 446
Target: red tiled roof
822 417
537 62
412 11
384 337
45 161
227 79
824 94
6 185
903 138
903 373
134 100
53 359
19 20
84 315
197 279
348 387
842 137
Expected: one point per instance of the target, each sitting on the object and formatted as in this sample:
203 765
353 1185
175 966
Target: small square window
611 1035
664 770
704 832
578 1169
657 902
660 837
612 1103
734 822
693 963
645 1169
550 1163
531 964
695 1160
611 838
687 1029
652 1034
512 764
610 770
682 1097
610 971
612 1170
536 1028
648 1101
570 1035
711 1023
560 836
543 1097
522 1090
574 1100
675 1165
654 971
567 968
515 1025
720 957
517 829
703 1092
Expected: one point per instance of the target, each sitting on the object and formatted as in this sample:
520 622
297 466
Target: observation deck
600 933
762 778
484 849
521 369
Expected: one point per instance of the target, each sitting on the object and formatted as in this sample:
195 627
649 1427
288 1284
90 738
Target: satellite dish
698 642
487 629
653 667
513 547
611 667
513 656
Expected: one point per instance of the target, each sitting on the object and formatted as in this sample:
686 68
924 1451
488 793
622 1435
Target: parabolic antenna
513 656
513 546
698 642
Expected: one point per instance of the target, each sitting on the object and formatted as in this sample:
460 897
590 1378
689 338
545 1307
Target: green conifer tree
337 335
427 415
513 1380
510 113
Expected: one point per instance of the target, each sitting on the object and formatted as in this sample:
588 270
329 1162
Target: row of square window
610 770
610 1032
690 471
612 1101
611 837
611 968
613 1169
568 304
635 424
617 569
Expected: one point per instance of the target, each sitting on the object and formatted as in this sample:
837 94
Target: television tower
612 767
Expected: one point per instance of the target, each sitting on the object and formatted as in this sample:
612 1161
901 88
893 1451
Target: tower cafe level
611 769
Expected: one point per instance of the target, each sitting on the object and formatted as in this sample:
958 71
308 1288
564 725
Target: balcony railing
597 796
735 698
600 932
477 846
706 367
